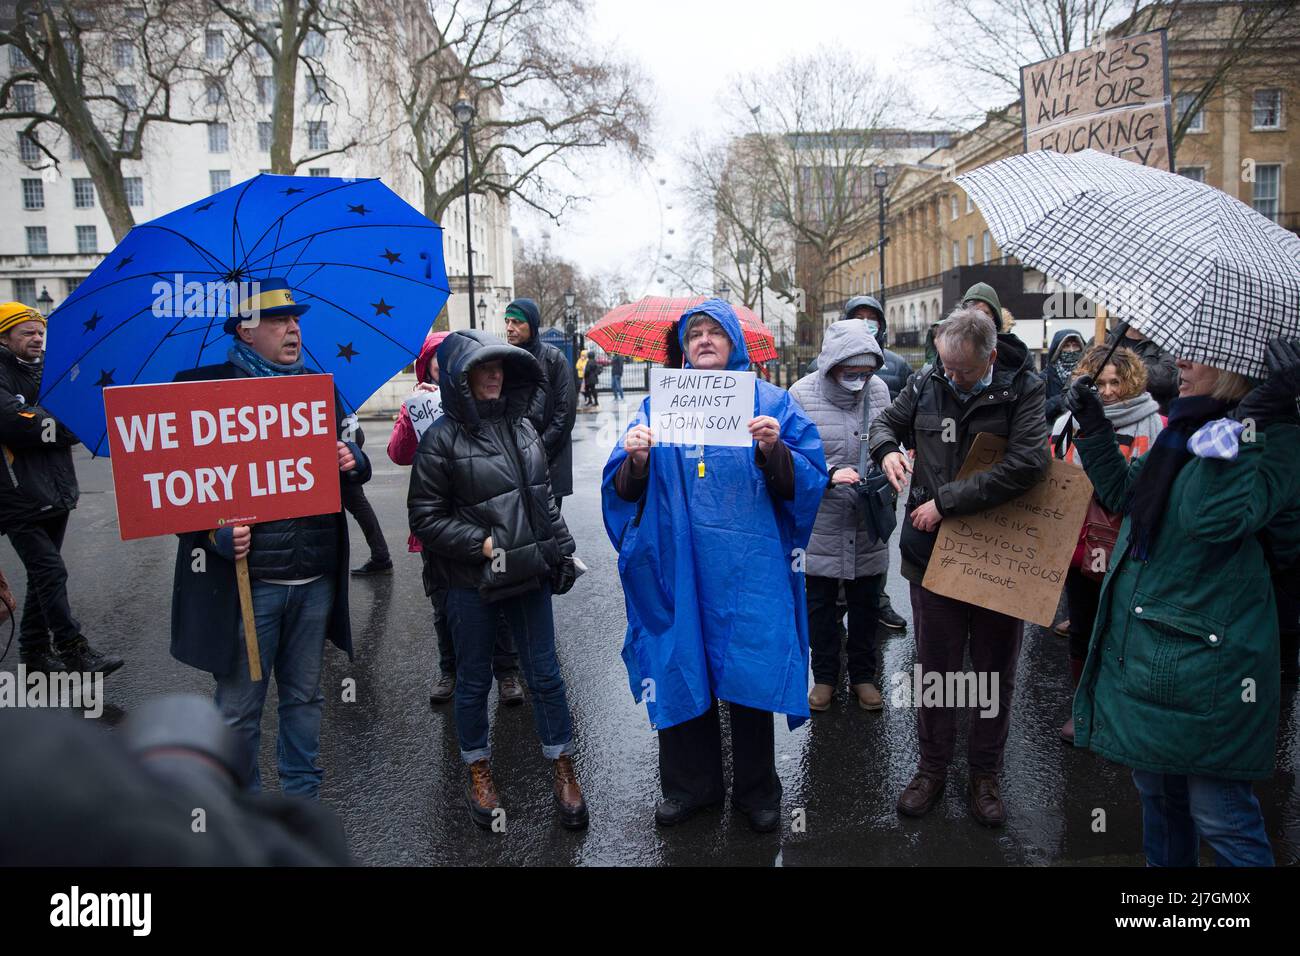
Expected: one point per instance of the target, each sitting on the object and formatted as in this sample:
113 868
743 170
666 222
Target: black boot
80 656
40 659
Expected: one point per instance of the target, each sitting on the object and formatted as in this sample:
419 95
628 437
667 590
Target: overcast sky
692 50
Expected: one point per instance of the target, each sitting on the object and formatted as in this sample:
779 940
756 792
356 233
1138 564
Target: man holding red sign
298 566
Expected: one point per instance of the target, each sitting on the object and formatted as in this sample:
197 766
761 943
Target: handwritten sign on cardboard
1012 558
695 407
424 408
1112 97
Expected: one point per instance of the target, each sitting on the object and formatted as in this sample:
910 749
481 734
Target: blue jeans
473 630
616 383
1179 810
292 621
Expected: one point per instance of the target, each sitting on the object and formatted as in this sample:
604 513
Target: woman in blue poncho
710 544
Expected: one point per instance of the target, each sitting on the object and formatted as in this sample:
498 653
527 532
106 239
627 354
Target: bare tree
284 36
541 100
544 277
985 43
813 130
109 72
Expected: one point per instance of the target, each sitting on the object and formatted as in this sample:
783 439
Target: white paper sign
425 408
695 407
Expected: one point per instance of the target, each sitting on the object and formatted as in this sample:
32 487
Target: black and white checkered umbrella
1201 274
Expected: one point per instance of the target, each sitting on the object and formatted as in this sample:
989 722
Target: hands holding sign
765 430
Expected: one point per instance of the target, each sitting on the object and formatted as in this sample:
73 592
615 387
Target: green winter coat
1182 638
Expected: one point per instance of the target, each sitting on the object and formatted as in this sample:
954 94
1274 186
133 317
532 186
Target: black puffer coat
481 471
37 477
1011 407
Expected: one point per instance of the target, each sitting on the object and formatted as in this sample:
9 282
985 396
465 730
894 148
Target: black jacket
1012 407
205 604
37 478
481 471
1057 385
894 373
561 408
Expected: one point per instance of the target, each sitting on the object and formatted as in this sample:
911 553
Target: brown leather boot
481 794
819 698
921 795
986 800
868 696
568 795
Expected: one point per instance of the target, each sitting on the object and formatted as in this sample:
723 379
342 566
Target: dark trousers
1082 595
942 627
46 607
505 660
1288 625
690 760
863 596
358 505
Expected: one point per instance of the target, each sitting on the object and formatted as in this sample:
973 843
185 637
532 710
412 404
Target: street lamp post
463 110
724 291
482 312
570 321
44 302
881 177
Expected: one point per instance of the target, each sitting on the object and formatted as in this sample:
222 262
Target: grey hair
967 326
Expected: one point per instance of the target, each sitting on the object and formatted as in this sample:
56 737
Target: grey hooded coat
840 546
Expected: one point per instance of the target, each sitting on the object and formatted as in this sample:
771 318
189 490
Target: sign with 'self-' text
423 408
1012 558
1112 97
698 407
190 456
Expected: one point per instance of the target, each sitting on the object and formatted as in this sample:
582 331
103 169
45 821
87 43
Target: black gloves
564 576
1275 399
1084 402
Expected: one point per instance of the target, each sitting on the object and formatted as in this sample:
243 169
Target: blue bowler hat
273 299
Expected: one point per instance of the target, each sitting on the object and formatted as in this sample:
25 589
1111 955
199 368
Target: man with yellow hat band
38 490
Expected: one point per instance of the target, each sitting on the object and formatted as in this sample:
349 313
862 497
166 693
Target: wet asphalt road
393 774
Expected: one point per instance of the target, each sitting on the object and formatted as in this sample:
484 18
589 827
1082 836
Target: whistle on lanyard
698 452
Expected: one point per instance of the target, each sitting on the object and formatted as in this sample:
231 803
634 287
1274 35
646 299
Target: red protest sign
193 455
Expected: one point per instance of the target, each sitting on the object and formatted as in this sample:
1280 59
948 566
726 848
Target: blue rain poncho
712 571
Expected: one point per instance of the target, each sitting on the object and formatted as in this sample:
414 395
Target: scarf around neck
1149 495
243 356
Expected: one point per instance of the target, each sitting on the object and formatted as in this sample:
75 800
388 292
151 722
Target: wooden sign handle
1099 333
250 622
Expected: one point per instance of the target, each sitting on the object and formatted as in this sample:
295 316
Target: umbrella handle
1120 331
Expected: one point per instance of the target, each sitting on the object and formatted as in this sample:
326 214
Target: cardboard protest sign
695 407
1112 97
1012 558
423 408
193 455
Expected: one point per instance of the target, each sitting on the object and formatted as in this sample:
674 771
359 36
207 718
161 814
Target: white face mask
872 326
854 381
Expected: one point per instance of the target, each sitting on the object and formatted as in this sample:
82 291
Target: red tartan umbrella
639 329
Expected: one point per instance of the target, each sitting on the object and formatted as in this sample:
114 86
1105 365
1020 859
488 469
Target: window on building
1267 113
970 206
70 284
135 14
264 89
218 138
1194 173
1267 190
954 206
17 60
24 97
25 291
318 171
268 35
1183 103
316 90
218 179
216 92
314 45
38 244
970 250
87 240
318 135
988 247
956 255
74 151
264 6
134 186
123 54
126 142
33 194
126 93
83 193
214 44
28 151
264 137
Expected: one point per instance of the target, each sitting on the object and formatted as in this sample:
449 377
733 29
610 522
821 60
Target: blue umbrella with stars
368 264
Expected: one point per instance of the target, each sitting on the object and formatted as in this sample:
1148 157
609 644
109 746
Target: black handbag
877 499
